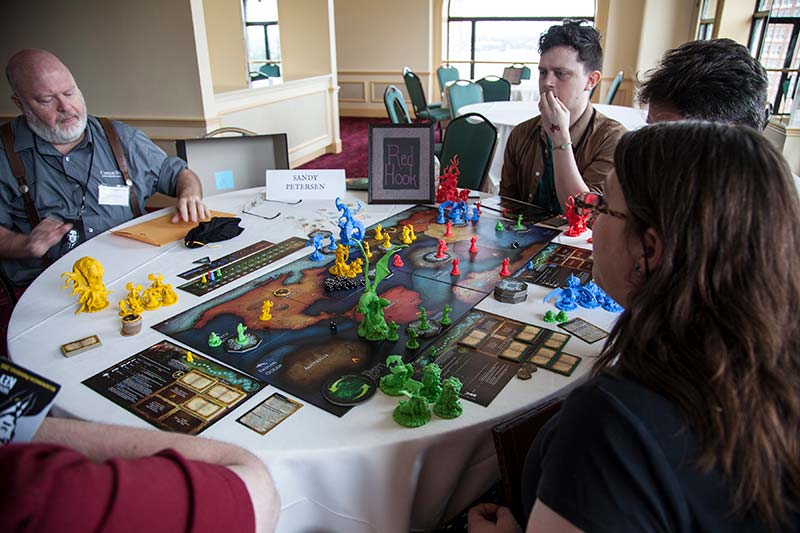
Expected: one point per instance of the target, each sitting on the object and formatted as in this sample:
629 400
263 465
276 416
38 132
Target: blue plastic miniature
441 219
350 229
316 242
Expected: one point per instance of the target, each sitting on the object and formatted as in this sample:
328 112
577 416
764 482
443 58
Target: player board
556 262
165 387
299 352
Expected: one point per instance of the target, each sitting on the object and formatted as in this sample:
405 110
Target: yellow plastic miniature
87 282
367 251
411 232
405 235
378 232
340 267
387 241
265 311
189 357
168 295
151 298
132 304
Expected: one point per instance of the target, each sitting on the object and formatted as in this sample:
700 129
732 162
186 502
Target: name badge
308 184
113 195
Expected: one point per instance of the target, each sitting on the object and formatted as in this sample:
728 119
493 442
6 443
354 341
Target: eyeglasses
594 203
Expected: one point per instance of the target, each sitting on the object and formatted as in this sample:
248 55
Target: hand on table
190 207
491 518
555 118
47 233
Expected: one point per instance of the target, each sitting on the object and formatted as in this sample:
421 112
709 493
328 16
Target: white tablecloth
506 115
358 473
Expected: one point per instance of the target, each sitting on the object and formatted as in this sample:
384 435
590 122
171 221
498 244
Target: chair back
525 73
415 92
612 91
446 75
461 93
396 106
472 138
495 89
512 440
270 70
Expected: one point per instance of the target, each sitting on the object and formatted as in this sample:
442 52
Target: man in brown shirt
569 148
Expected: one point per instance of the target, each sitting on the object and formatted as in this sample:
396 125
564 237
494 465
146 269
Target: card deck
269 413
586 331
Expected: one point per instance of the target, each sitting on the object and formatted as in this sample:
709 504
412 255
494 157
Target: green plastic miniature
499 226
449 404
412 343
549 316
373 326
241 338
214 340
431 382
396 382
518 225
561 317
412 413
392 336
424 325
445 320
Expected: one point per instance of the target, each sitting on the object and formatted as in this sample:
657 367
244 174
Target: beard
57 134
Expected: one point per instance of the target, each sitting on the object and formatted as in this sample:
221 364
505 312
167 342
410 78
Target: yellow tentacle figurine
87 282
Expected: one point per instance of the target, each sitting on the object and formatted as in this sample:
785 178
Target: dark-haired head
711 323
575 34
715 80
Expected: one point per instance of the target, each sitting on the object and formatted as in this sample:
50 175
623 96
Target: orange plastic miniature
87 282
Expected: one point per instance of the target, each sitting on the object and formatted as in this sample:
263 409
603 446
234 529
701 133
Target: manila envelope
161 230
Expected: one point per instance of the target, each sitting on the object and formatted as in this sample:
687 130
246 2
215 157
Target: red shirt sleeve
45 487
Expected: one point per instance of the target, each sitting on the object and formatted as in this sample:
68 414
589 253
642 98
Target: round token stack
511 291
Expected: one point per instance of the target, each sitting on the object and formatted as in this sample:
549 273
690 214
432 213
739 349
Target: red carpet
355 148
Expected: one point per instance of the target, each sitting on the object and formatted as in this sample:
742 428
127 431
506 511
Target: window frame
759 27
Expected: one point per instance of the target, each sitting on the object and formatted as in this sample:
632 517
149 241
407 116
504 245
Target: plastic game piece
341 268
266 307
567 298
476 214
473 244
189 357
168 295
131 325
504 271
449 404
530 265
413 412
455 271
549 316
411 232
331 244
431 382
448 182
378 233
412 343
577 223
446 320
214 340
442 250
424 325
441 219
448 229
244 341
478 207
367 251
399 374
241 338
499 226
151 298
219 273
316 242
204 279
561 316
373 325
81 345
211 276
87 282
397 262
514 245
387 241
350 229
393 336
132 304
405 235
518 226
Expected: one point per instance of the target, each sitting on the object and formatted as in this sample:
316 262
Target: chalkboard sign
401 164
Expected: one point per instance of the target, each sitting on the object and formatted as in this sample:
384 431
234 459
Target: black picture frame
401 164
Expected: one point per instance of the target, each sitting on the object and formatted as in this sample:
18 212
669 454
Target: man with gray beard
61 182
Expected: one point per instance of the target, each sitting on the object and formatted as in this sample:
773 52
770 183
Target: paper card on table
160 231
309 184
25 399
224 179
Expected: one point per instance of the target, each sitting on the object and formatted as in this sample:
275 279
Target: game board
300 349
554 264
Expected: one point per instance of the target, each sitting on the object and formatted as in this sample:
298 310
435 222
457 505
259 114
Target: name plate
306 184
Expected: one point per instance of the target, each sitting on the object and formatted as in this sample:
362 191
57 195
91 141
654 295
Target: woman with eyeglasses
691 421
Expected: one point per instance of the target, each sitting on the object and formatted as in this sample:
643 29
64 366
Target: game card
586 331
554 222
269 413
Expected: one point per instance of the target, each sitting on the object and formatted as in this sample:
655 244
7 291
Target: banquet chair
612 91
461 93
445 75
422 110
473 139
495 89
512 440
270 70
396 106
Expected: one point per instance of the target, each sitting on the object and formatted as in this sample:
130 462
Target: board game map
556 262
299 351
162 386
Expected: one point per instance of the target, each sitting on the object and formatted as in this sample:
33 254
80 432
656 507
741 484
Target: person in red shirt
82 476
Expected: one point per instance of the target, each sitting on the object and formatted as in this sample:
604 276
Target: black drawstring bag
215 230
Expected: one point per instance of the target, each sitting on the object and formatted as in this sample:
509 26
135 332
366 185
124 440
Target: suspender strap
18 169
122 163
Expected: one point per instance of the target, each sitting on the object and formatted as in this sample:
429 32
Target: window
707 14
263 38
482 38
773 40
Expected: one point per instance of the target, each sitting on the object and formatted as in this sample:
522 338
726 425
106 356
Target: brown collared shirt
524 165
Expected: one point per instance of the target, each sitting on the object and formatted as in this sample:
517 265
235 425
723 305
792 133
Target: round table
360 472
506 115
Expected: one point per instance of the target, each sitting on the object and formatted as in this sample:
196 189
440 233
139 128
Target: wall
227 50
306 40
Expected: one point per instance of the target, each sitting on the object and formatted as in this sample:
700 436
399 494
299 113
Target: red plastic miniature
440 253
473 245
448 182
504 271
577 223
478 207
448 229
455 271
398 262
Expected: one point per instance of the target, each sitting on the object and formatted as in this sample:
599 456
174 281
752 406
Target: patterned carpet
355 148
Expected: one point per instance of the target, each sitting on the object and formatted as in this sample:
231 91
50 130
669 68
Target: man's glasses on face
594 203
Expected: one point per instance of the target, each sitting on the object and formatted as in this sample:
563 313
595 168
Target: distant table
525 91
359 473
506 115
